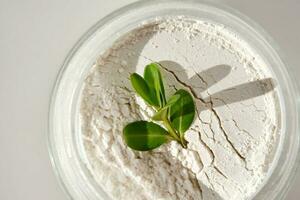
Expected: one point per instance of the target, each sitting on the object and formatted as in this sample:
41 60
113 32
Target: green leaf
182 112
153 78
142 88
144 136
162 113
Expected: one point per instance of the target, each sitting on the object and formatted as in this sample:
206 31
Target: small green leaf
182 112
142 88
162 113
144 136
154 80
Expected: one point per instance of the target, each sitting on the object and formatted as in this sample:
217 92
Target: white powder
232 142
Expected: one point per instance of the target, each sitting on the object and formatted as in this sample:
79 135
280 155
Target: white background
35 37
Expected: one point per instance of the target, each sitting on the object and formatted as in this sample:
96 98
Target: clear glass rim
138 5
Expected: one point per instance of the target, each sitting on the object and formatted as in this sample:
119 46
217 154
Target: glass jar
63 136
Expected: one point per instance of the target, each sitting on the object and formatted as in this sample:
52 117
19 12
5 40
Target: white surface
35 37
102 102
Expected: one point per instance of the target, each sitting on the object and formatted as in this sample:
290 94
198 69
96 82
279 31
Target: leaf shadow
211 76
243 91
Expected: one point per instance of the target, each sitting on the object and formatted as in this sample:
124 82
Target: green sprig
176 114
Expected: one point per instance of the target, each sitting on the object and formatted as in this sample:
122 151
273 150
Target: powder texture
233 141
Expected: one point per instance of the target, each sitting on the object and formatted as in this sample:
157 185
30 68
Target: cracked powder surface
234 140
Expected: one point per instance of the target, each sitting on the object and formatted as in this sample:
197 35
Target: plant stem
172 132
183 141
